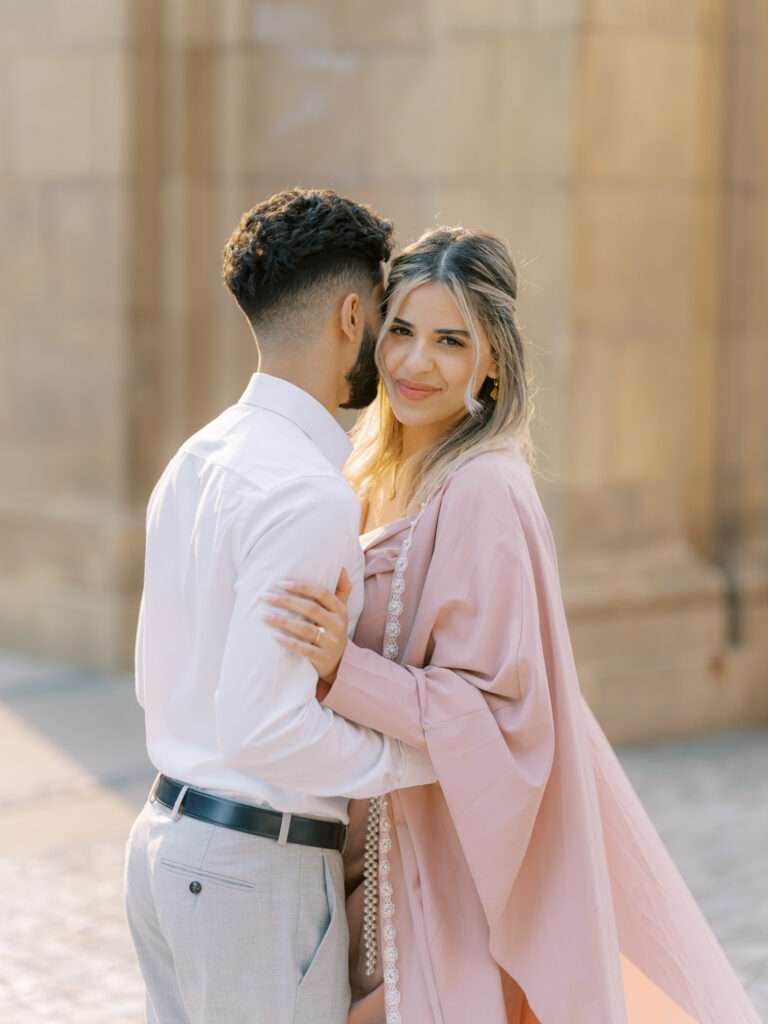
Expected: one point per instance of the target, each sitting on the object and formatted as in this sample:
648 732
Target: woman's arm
370 687
481 597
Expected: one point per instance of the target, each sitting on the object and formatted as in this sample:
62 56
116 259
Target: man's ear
351 316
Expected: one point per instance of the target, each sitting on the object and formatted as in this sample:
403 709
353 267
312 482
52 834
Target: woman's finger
298 647
310 610
343 587
312 591
301 630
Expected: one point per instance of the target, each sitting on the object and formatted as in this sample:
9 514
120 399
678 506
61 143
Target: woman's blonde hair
480 273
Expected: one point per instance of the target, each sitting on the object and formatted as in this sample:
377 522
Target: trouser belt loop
178 809
285 827
153 791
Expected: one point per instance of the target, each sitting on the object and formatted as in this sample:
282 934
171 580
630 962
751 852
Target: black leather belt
258 821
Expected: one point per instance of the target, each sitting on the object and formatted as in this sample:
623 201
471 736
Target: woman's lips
415 394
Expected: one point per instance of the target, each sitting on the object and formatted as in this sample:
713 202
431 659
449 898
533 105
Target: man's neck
304 376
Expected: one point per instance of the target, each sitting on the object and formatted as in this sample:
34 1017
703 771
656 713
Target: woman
527 885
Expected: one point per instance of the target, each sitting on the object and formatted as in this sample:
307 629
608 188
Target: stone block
294 114
89 224
748 20
323 24
555 13
536 224
193 23
436 115
64 427
25 256
25 28
749 439
643 256
454 17
82 627
640 412
36 26
746 126
588 445
656 432
650 637
468 205
404 24
295 24
69 574
90 23
685 16
650 107
637 521
748 662
536 139
66 116
745 268
650 675
64 542
641 424
411 208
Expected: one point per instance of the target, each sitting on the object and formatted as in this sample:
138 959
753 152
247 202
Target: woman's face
429 347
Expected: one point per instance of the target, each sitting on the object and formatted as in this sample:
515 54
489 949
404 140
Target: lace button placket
378 840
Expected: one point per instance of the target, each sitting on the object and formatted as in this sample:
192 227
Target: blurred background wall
620 147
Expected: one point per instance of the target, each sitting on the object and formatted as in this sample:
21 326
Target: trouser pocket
323 991
201 874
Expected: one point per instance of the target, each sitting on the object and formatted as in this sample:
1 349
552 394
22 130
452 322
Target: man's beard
363 378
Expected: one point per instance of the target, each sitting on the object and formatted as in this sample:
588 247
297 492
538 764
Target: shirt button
195 887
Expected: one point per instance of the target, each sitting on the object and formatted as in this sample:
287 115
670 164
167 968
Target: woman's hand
320 632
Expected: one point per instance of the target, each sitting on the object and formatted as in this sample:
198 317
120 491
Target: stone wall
64 512
620 148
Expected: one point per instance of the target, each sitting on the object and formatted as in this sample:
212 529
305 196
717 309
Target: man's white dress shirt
253 498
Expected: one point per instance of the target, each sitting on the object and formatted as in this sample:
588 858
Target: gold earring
495 389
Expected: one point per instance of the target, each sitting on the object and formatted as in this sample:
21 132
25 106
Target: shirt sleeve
138 655
479 603
138 658
268 720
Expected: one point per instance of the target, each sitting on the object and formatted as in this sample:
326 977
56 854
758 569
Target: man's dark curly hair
297 239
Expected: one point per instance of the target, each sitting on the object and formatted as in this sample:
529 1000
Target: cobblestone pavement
76 774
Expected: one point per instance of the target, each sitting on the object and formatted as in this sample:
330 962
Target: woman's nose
419 358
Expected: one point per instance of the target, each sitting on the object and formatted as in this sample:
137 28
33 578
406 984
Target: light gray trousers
231 928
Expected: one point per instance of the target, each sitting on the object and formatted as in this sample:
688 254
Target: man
234 880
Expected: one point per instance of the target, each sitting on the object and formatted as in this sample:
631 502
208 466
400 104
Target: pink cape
529 884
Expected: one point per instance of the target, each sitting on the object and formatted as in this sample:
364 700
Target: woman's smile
415 392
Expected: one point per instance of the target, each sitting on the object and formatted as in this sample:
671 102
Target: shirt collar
298 406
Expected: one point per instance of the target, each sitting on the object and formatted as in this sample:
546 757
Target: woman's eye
453 341
401 332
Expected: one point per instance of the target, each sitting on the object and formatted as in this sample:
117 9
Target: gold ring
320 631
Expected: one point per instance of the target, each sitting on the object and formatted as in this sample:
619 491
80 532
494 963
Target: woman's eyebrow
438 330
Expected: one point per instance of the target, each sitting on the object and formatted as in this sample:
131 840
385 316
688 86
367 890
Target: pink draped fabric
529 884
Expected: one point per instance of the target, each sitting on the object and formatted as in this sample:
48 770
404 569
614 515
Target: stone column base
651 633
